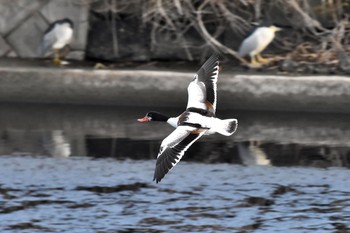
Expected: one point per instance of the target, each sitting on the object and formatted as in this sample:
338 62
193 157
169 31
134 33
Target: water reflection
57 144
55 194
263 138
252 154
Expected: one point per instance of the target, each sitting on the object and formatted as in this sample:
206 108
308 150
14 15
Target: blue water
90 169
193 197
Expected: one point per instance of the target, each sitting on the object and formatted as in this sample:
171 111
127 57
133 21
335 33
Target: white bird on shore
56 37
197 120
256 42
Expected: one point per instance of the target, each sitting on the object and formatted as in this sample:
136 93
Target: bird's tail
226 127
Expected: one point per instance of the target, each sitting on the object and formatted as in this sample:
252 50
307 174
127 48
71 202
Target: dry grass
319 32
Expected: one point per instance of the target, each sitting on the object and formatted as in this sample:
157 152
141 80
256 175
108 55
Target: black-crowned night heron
56 37
256 42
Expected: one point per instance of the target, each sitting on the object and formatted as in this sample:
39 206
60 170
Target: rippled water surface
90 169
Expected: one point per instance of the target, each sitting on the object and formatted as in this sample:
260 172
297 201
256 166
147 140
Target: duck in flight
197 120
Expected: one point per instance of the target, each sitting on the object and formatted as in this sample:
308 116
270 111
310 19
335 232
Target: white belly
196 118
214 125
63 34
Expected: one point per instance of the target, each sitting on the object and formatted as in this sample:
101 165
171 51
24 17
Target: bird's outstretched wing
202 90
173 148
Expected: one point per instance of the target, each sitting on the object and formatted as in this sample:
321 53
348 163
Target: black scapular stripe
198 126
203 112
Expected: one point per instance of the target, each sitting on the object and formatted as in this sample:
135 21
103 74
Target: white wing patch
196 94
176 136
202 90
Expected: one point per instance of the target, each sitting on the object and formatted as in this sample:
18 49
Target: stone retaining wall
169 89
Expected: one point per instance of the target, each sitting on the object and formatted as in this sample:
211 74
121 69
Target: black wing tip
157 178
211 62
162 167
214 58
160 171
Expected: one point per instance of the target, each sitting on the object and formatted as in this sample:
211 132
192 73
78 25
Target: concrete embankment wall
169 89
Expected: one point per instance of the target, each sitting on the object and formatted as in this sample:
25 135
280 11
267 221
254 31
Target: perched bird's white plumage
198 119
63 35
57 36
256 42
